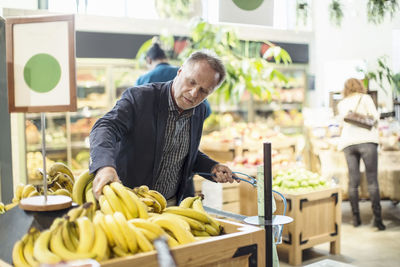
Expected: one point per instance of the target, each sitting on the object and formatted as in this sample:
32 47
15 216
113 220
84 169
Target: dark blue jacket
130 137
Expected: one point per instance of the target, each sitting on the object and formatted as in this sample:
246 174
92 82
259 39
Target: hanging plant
302 10
175 9
377 9
335 12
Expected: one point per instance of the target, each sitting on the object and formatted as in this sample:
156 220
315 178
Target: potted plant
302 10
335 12
377 9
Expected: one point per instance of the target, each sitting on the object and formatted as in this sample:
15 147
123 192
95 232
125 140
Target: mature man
152 134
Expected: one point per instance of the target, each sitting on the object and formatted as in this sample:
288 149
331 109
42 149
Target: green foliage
335 12
246 71
176 9
377 9
381 74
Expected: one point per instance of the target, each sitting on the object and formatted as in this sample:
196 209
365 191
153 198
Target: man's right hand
104 176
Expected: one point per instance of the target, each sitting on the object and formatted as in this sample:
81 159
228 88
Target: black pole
268 204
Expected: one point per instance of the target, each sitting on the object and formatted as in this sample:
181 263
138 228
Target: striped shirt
175 151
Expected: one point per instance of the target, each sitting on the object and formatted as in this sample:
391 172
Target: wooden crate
242 245
317 219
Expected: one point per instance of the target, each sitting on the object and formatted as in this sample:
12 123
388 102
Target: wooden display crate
317 219
242 245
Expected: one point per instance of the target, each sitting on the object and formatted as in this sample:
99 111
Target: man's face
193 83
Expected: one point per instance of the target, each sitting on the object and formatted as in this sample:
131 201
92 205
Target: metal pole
268 204
43 124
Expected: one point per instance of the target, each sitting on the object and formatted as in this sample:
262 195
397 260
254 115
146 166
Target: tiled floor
363 246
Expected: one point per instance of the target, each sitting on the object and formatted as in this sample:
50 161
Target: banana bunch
154 200
24 191
85 210
81 191
201 223
124 237
71 240
60 179
22 254
118 198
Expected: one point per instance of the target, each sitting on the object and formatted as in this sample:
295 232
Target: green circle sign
42 73
248 4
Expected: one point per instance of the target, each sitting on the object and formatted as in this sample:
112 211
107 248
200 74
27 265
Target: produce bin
317 219
242 245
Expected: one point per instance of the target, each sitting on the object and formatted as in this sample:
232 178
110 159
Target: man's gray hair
213 60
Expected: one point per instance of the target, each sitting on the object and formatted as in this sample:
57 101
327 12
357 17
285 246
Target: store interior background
333 52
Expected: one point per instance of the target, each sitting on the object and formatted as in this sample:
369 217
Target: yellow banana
191 213
66 181
144 244
126 212
187 202
79 186
100 246
87 210
194 224
198 205
62 192
86 234
60 167
176 219
112 199
144 188
123 194
148 225
148 201
41 249
18 191
199 233
2 208
148 234
10 206
128 235
27 190
211 230
172 242
89 196
119 252
28 248
105 206
66 236
117 235
74 213
182 235
58 248
74 234
100 220
159 197
142 209
18 255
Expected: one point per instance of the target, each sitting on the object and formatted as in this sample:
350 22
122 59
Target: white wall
339 49
23 4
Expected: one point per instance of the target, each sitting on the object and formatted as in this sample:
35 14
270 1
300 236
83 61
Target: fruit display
288 118
81 128
124 225
279 161
298 180
34 161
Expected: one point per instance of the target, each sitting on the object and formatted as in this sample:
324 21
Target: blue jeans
368 152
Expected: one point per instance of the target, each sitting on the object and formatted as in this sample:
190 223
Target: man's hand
222 174
104 176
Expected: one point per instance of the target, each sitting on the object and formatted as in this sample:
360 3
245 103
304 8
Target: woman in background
360 143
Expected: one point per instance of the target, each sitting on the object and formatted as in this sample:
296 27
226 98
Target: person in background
162 71
360 143
152 135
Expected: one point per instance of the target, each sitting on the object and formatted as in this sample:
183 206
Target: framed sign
41 63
